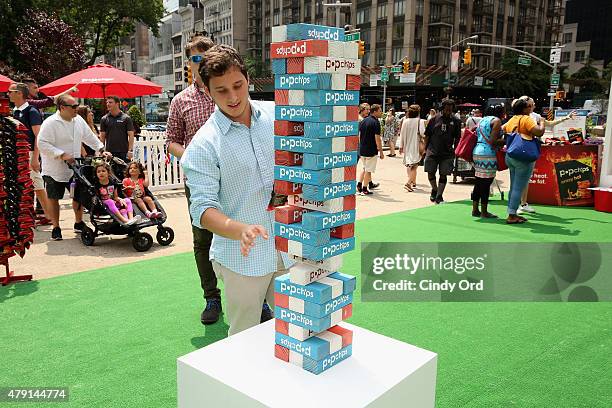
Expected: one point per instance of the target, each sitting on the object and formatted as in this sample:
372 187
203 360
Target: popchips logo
295 143
336 97
295 174
335 303
324 35
337 159
336 129
289 81
293 49
331 360
335 65
335 190
296 112
332 249
335 219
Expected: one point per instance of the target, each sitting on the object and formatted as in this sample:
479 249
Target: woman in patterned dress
489 135
390 135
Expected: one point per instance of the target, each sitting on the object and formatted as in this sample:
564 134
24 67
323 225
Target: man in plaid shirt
189 110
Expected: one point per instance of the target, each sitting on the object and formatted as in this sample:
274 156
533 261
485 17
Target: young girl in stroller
134 185
106 190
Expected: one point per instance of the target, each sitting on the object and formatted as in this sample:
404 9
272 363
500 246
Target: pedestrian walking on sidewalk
441 136
412 139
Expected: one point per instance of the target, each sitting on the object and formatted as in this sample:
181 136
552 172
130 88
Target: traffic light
406 64
187 75
467 56
361 48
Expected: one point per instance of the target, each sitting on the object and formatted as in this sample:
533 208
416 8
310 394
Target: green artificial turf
112 335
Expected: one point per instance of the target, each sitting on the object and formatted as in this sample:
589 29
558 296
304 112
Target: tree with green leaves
137 116
522 80
100 25
588 79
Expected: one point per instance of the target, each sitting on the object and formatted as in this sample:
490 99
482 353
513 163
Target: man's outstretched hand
248 236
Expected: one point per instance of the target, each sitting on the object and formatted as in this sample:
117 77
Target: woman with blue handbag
523 149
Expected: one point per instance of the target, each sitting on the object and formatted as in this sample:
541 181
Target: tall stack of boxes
317 80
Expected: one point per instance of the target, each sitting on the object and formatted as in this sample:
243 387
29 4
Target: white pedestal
241 371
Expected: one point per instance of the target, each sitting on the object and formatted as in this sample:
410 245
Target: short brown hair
23 88
413 111
199 43
218 60
375 107
364 106
114 98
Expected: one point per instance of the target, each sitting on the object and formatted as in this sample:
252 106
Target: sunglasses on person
76 105
196 58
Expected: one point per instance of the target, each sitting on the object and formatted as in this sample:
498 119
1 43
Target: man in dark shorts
441 136
59 142
370 148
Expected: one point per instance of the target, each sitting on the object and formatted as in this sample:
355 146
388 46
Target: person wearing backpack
522 153
489 139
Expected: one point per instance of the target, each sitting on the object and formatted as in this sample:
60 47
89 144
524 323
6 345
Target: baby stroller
106 223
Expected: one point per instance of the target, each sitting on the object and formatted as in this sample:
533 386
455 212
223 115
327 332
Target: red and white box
343 231
289 97
341 82
303 48
286 128
346 113
283 158
287 188
289 214
330 206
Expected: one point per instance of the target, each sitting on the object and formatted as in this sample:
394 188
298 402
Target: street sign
409 78
396 69
478 80
384 74
374 80
554 79
352 37
555 55
524 60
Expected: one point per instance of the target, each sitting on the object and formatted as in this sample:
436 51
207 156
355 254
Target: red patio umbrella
98 81
5 82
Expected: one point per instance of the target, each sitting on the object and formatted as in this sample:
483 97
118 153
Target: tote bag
465 147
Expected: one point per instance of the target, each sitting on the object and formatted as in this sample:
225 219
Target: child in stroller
106 191
134 188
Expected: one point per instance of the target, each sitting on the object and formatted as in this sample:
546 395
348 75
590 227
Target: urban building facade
576 53
594 24
424 30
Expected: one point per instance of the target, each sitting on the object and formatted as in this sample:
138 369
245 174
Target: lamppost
450 58
337 5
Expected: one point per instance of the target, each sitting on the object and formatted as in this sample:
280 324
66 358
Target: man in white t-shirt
59 142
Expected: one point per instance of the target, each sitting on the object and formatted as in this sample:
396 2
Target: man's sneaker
359 187
433 195
525 208
211 312
372 186
439 200
79 226
266 313
56 234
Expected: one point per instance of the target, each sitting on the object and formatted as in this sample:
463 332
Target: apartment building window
463 17
365 37
363 16
580 56
398 7
178 76
381 33
419 7
567 38
276 4
397 54
500 27
365 60
307 10
398 30
276 18
380 56
432 57
566 56
177 48
416 55
178 62
511 10
381 11
287 16
418 31
178 88
502 7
